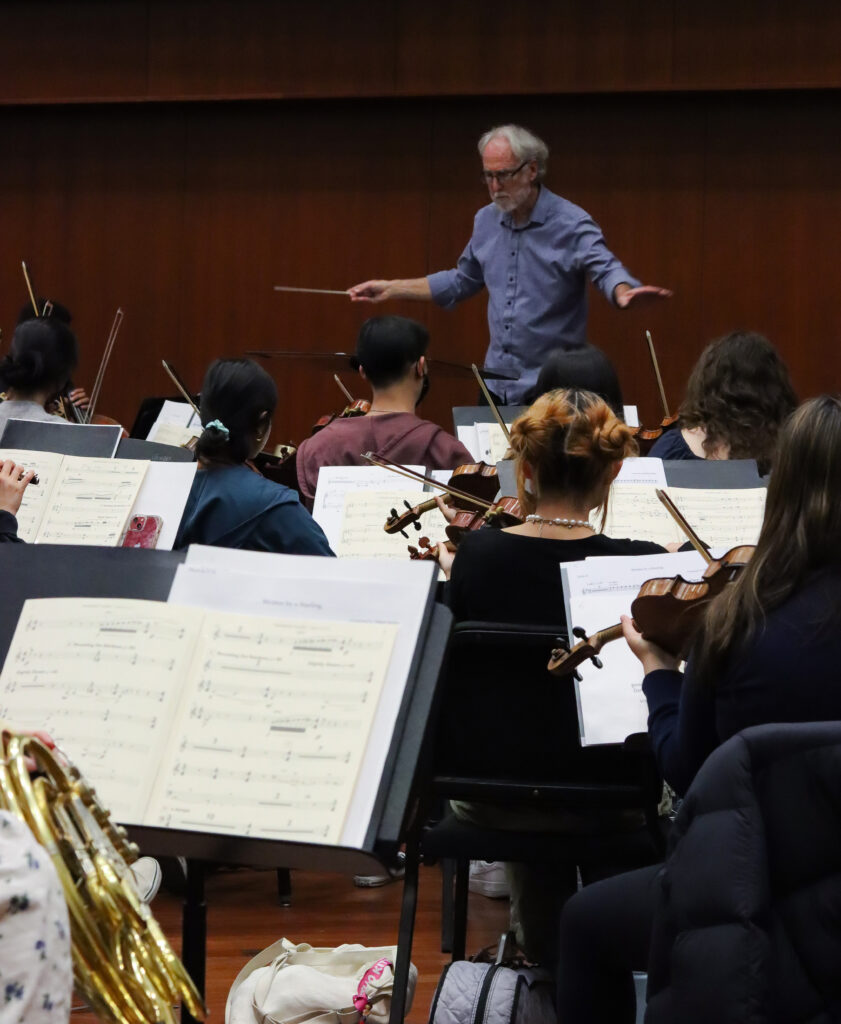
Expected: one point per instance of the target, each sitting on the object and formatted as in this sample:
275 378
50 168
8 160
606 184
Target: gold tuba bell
122 963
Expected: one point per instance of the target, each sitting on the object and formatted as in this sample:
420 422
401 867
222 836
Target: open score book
201 720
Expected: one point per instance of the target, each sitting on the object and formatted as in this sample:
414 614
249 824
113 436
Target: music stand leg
406 932
194 931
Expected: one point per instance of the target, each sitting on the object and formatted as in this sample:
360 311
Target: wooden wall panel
60 52
186 215
231 48
93 200
757 44
480 47
773 205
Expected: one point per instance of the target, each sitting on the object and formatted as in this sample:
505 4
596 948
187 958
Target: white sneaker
488 879
146 874
395 872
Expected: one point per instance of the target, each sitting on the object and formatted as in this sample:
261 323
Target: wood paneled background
180 158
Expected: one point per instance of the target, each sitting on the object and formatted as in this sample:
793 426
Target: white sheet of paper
492 443
91 501
36 498
468 437
395 592
334 482
642 471
631 415
203 558
611 704
174 414
164 492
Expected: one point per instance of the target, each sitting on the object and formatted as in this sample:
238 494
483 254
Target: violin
667 611
501 514
355 407
645 437
468 487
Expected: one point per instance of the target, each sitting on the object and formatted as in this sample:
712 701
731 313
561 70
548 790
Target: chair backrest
503 716
748 923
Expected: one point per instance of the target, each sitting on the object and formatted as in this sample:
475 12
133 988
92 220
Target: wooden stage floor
243 917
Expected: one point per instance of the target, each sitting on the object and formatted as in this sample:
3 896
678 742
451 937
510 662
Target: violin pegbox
398 521
565 660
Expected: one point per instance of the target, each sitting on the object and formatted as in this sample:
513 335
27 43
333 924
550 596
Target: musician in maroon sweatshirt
391 356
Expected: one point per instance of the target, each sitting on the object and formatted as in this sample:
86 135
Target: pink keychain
374 973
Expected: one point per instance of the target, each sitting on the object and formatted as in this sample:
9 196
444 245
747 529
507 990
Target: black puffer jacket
748 927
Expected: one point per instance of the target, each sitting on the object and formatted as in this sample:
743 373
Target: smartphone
142 532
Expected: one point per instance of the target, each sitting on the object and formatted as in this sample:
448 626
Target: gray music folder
98 441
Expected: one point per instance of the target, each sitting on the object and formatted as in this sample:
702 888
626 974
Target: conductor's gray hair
525 145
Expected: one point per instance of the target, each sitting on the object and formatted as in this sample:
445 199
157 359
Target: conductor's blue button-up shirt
536 276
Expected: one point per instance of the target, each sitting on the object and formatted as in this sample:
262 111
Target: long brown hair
739 393
571 439
801 533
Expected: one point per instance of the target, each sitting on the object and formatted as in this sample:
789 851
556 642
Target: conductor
533 250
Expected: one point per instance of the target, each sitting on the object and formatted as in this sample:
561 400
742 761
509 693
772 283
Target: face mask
424 390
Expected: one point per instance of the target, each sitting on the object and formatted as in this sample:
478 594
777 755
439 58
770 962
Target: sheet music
492 444
91 501
173 434
102 677
363 518
631 416
722 517
271 736
250 726
36 497
611 704
174 414
334 482
634 511
292 586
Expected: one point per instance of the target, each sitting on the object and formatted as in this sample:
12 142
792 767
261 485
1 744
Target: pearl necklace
568 523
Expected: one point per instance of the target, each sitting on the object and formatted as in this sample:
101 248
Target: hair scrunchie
220 426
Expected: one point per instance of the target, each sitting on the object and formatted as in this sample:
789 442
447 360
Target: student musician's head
585 369
739 393
569 444
41 359
800 536
238 400
55 311
391 356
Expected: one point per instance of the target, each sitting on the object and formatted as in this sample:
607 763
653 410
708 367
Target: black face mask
424 390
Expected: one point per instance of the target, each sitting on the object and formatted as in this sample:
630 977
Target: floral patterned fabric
36 976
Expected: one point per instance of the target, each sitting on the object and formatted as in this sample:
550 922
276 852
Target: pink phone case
142 532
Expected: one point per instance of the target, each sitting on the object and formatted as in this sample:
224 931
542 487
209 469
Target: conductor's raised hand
371 291
14 480
625 296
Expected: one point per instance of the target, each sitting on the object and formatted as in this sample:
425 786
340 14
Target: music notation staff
234 723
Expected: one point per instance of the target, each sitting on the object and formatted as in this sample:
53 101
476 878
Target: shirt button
513 254
508 327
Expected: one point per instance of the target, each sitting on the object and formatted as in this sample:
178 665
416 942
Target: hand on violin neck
80 398
445 557
650 655
446 510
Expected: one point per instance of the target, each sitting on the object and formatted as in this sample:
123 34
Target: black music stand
32 571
